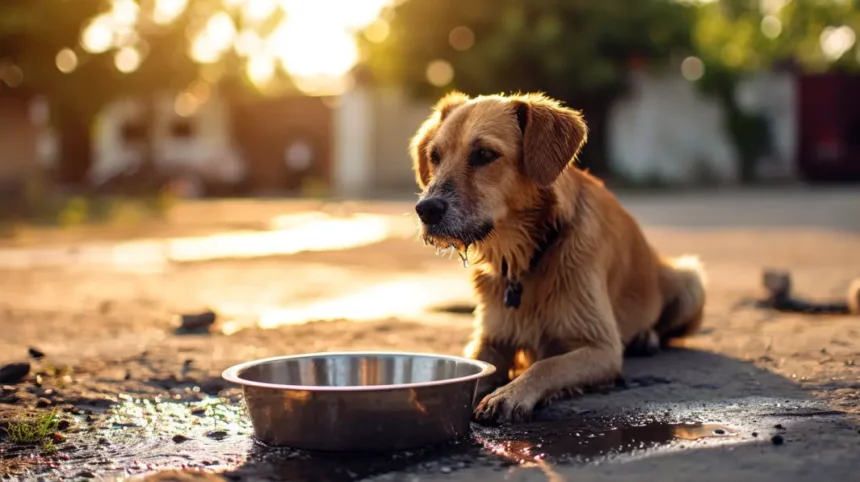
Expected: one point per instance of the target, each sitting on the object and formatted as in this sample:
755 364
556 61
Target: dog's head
479 160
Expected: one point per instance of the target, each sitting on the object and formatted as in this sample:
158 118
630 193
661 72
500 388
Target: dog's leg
594 361
501 355
588 365
646 343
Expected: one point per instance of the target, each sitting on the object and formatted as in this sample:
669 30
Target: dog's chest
545 306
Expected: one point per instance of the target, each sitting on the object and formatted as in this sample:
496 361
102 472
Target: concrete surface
110 330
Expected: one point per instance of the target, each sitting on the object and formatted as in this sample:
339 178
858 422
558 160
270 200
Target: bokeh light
127 60
186 104
97 37
461 38
166 11
440 73
311 41
377 31
692 68
260 69
835 41
11 74
771 27
66 61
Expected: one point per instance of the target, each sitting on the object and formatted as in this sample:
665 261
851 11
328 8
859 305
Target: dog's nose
431 210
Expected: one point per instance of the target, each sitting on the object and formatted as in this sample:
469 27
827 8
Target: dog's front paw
510 403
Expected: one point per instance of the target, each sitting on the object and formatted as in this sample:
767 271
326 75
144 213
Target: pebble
217 435
86 474
777 439
779 426
755 434
43 402
63 424
445 470
14 373
35 353
197 321
179 438
103 441
58 437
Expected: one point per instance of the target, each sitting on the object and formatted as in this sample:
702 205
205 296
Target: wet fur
599 288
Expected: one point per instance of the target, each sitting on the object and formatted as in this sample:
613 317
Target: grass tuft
33 430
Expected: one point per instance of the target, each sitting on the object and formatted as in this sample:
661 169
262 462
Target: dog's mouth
444 238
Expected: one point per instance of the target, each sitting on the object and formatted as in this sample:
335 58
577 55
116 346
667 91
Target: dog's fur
592 291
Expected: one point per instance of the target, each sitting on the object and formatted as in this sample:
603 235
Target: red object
829 127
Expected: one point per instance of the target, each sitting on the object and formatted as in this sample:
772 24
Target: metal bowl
359 401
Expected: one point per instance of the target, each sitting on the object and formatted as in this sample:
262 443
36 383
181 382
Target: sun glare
314 41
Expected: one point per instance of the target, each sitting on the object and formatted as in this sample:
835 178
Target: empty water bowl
359 401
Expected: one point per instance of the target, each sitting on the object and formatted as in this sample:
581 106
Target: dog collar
514 288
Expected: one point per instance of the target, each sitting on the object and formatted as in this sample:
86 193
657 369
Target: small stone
217 435
179 438
63 424
197 321
43 402
86 474
14 373
755 434
103 441
779 426
213 385
777 439
445 470
58 437
35 353
198 411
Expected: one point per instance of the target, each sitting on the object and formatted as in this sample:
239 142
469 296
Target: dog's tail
854 297
683 282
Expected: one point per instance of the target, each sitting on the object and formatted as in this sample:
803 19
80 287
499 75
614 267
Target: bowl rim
232 374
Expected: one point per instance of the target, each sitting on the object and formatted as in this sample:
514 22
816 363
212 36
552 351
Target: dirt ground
109 337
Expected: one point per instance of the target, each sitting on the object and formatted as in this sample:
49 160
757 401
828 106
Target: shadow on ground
683 415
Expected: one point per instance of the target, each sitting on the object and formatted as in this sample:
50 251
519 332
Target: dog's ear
418 145
552 136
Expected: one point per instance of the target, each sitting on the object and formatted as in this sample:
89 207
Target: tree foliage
568 48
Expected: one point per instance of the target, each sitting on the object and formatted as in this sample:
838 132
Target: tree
735 38
576 50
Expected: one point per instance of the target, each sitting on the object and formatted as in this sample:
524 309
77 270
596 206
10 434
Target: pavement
756 395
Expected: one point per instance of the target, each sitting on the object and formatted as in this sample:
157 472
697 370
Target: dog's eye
435 158
483 156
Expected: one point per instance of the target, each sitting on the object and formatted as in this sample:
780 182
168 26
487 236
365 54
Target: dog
561 272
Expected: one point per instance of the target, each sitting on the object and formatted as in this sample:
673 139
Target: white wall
665 127
352 162
209 151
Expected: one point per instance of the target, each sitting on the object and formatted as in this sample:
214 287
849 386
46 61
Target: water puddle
290 234
142 436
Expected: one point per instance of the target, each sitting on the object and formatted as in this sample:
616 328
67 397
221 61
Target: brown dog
561 271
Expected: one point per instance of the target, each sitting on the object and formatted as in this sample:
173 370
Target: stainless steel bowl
359 401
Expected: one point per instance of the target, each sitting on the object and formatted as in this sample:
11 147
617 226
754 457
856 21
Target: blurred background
191 98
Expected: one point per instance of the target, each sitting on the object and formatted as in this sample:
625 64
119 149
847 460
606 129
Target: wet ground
756 396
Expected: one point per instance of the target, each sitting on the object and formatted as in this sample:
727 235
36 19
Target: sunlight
97 37
314 42
166 11
260 69
405 298
127 60
334 52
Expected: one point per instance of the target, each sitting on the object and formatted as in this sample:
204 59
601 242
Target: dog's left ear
552 136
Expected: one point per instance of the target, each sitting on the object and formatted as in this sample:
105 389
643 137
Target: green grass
34 430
